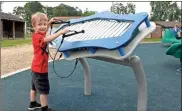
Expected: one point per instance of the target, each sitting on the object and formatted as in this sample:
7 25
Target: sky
92 6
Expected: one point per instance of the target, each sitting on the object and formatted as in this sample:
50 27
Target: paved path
113 86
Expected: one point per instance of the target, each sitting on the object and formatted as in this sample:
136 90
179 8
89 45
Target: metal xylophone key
98 29
104 31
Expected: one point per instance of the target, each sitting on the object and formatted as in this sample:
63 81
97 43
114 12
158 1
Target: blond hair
38 16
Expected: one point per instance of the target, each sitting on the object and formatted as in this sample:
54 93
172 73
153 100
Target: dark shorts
40 83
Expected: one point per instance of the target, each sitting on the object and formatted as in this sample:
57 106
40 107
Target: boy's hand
52 20
65 30
61 32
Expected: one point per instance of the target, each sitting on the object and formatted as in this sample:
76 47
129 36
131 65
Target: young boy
40 82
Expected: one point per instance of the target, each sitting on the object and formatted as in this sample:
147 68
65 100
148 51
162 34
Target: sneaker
35 106
46 109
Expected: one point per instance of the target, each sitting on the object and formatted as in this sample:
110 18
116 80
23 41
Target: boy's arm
48 26
51 37
50 22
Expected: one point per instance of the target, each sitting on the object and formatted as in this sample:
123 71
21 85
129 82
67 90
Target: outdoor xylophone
108 37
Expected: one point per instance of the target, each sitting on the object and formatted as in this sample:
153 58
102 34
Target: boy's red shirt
40 60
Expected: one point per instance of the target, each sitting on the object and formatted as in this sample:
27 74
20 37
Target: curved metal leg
141 83
87 75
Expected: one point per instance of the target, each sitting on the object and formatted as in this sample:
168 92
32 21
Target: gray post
1 29
136 64
24 29
13 29
87 75
141 82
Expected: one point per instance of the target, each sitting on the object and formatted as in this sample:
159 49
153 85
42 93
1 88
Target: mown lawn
9 43
152 39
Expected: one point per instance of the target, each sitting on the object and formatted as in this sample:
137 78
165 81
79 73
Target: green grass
9 43
28 40
152 39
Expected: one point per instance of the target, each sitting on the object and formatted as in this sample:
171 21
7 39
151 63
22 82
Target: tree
130 8
165 10
65 10
60 11
159 10
73 11
79 11
31 8
20 11
119 8
88 13
174 12
48 11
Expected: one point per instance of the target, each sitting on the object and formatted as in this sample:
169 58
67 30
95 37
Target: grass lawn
152 39
8 43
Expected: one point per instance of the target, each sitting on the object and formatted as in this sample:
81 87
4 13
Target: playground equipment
169 37
175 50
107 37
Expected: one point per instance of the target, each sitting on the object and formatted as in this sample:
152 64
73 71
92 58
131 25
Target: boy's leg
42 86
44 100
33 104
32 95
44 92
33 90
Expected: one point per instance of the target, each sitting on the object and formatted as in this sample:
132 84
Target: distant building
161 26
11 26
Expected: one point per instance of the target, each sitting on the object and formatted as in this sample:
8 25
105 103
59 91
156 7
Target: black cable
50 43
76 62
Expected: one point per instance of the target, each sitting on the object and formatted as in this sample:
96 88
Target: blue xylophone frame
106 43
